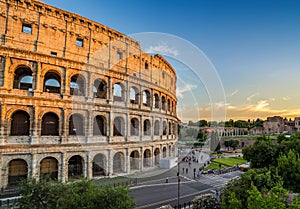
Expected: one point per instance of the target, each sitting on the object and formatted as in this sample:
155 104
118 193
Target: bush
206 201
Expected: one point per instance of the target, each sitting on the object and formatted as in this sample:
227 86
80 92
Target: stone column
64 168
141 159
2 69
127 161
110 163
62 130
34 125
34 173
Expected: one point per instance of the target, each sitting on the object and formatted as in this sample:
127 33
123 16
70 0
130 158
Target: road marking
172 199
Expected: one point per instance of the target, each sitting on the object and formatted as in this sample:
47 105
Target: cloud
286 98
249 98
272 99
186 88
163 48
262 109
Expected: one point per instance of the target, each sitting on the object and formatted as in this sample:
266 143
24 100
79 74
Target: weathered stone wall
42 39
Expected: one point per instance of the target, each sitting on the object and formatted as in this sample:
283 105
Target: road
155 195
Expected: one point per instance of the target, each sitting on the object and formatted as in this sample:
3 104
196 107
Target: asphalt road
156 195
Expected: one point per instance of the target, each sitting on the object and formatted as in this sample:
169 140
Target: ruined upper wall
41 28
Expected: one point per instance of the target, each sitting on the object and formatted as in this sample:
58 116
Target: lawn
228 162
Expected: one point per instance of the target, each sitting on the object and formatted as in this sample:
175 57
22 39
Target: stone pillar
2 69
109 90
63 80
141 159
34 125
88 167
34 167
109 127
110 163
64 168
141 128
153 156
127 161
88 126
88 85
62 128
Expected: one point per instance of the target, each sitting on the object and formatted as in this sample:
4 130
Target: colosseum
79 99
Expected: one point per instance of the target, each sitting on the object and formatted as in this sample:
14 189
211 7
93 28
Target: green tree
83 194
289 167
263 153
203 123
233 202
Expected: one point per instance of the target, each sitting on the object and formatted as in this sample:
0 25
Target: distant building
274 125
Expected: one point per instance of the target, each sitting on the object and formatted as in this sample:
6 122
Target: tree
263 153
83 194
206 201
233 202
203 123
289 167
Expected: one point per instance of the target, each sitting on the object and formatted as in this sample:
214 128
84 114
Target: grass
228 162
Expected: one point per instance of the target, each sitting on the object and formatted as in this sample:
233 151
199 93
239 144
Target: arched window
134 160
49 168
164 152
118 126
99 89
99 126
164 128
118 163
22 78
50 125
77 86
156 156
118 92
147 158
134 96
134 127
20 124
17 171
147 127
169 105
52 82
76 125
75 167
146 98
146 66
163 102
156 128
99 165
170 128
156 101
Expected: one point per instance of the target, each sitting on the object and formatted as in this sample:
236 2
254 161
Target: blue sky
254 46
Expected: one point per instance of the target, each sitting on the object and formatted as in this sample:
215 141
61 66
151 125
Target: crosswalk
218 181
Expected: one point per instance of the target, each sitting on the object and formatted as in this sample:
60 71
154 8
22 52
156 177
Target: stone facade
78 98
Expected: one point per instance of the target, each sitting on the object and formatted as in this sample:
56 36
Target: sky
253 47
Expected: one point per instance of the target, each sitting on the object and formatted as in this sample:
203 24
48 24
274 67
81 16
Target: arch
49 168
164 128
169 105
20 123
99 168
134 96
119 163
164 152
170 151
156 128
134 160
147 127
146 98
134 127
52 82
170 128
50 124
156 101
118 126
147 158
118 92
75 167
22 78
17 171
77 85
76 125
156 156
100 89
163 102
99 127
